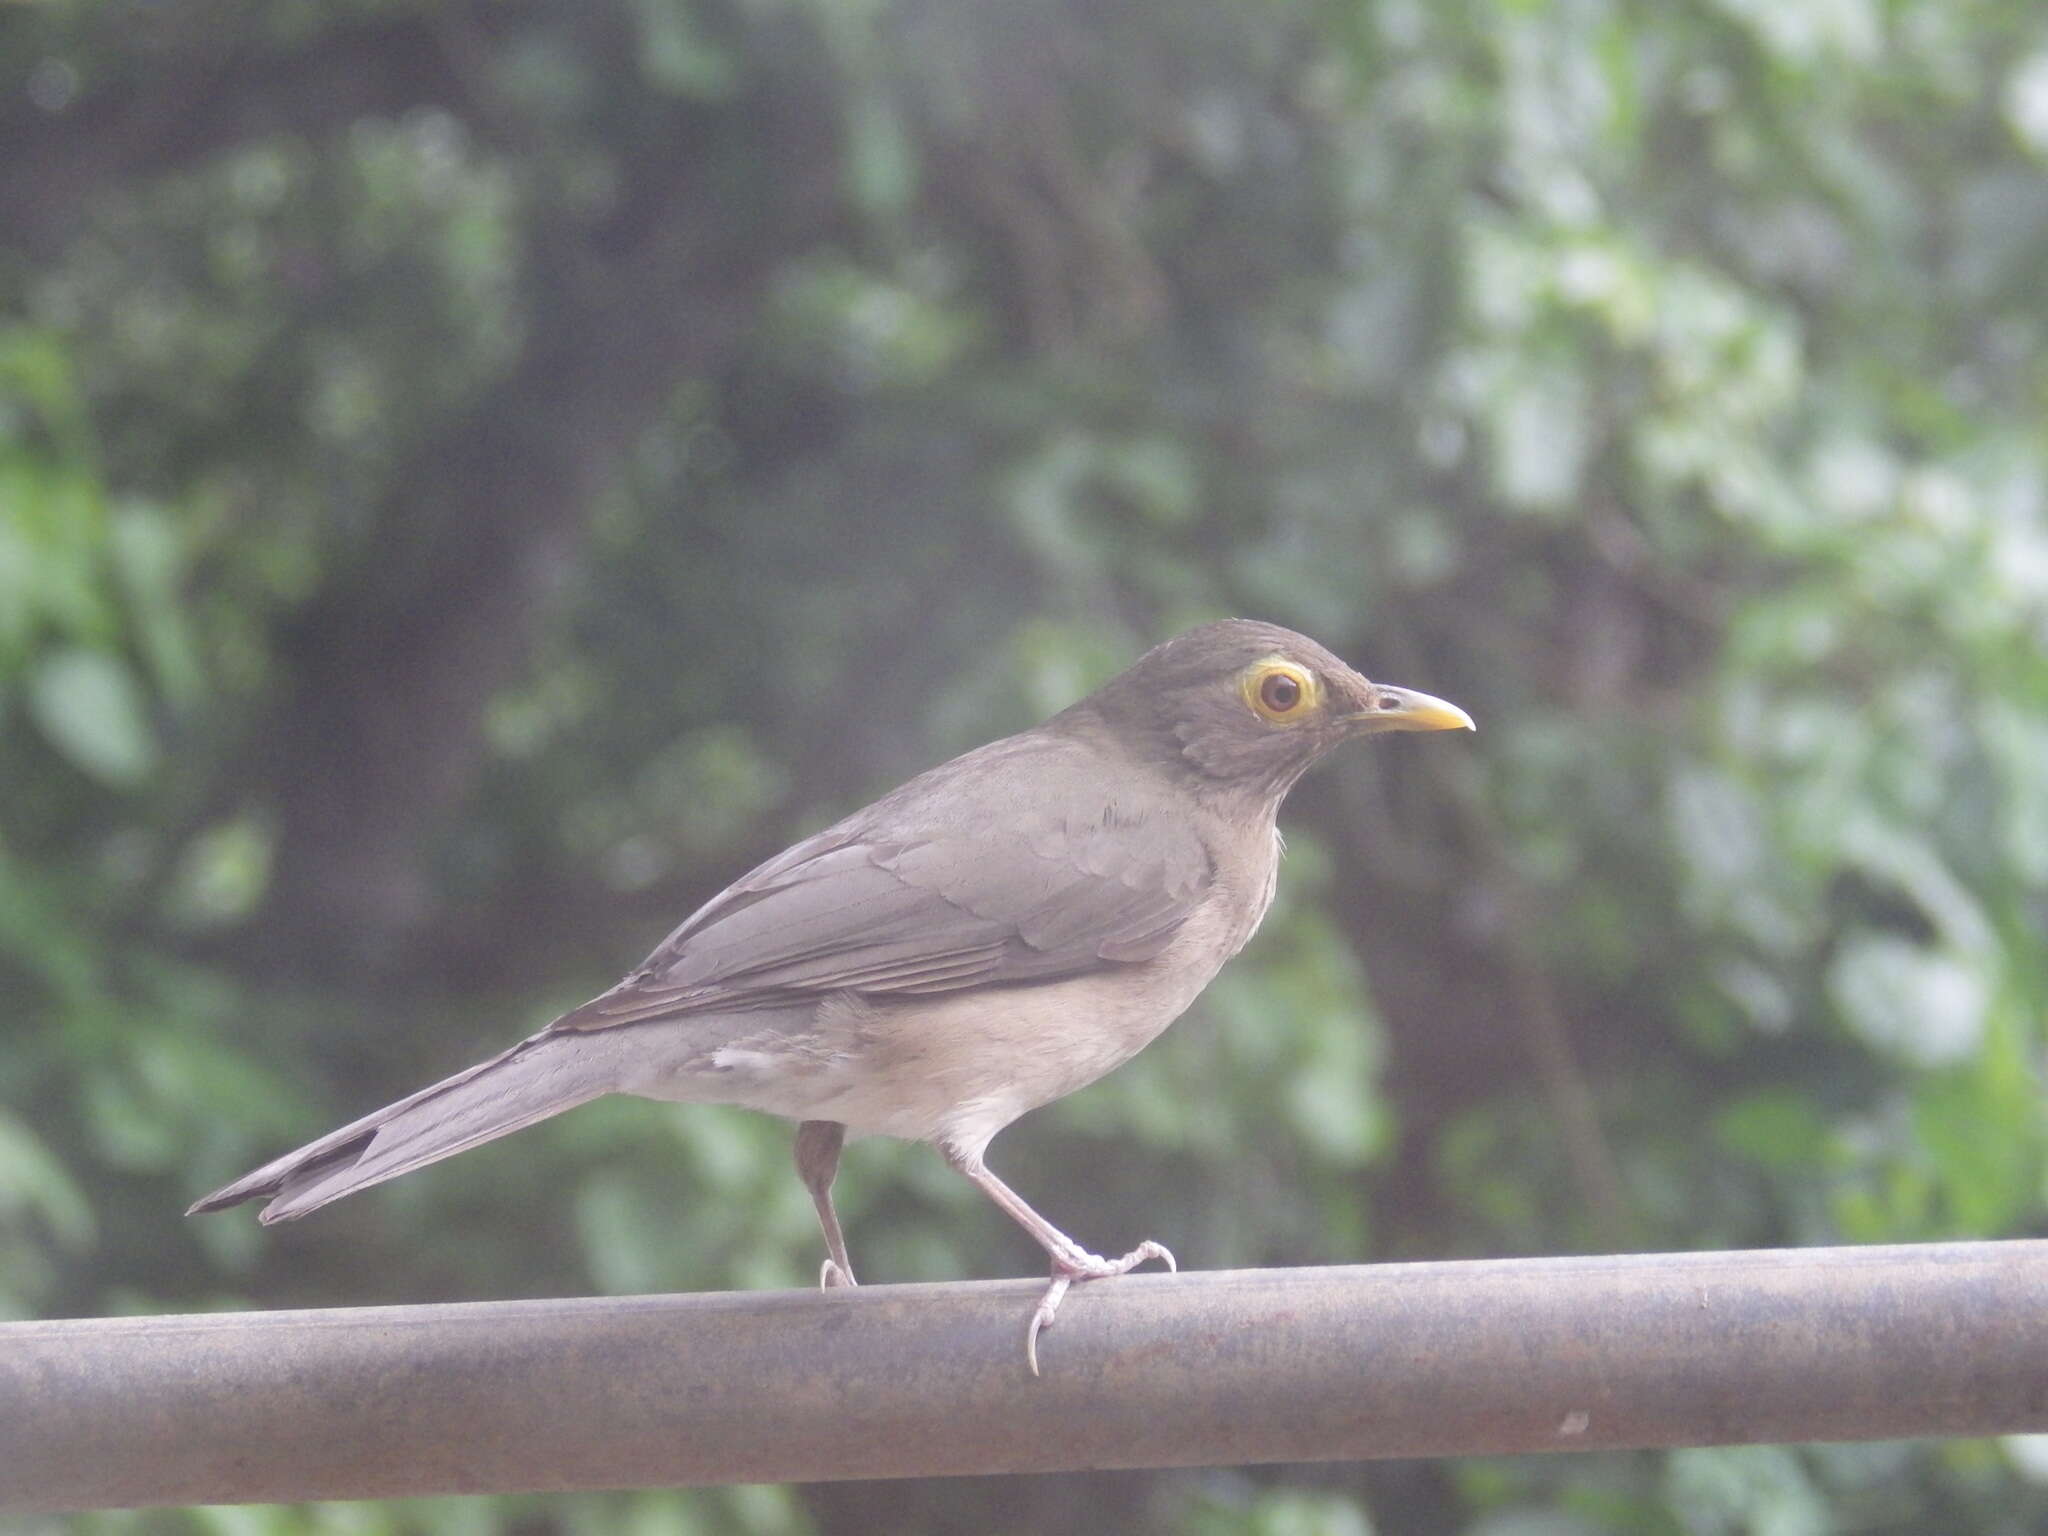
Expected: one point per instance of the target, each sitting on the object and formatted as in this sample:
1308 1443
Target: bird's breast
958 1067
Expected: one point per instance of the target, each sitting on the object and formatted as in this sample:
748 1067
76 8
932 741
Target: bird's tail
538 1077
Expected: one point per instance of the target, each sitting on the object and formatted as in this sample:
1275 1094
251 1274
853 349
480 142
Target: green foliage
1665 384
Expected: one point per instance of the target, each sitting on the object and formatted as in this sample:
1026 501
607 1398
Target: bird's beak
1403 709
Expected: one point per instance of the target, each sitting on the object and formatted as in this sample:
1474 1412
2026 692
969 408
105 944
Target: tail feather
536 1078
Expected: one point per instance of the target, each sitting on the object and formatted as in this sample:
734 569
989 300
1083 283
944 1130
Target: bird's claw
1082 1265
1048 1307
831 1277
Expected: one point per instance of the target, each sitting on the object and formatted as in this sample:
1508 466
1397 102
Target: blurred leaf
1779 1128
91 710
34 1183
881 161
221 875
147 555
1981 1125
1923 1005
676 56
1752 1490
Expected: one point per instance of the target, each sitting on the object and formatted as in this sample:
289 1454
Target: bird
994 934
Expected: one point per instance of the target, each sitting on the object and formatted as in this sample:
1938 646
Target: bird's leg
817 1163
1070 1261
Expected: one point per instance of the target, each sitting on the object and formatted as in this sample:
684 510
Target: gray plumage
997 932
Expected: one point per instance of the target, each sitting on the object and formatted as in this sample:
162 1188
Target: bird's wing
868 907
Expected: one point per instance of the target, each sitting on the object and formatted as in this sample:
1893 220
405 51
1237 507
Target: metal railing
1146 1370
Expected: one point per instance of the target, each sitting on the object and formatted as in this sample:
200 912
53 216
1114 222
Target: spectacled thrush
998 932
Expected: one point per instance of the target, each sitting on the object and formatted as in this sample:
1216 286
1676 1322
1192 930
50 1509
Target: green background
475 477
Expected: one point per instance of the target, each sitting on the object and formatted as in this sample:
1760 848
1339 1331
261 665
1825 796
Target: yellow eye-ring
1279 692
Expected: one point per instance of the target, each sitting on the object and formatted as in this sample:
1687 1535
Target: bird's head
1239 705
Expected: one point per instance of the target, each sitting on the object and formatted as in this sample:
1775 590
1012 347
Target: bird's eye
1279 692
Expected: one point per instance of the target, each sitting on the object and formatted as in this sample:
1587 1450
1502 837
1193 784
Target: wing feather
881 905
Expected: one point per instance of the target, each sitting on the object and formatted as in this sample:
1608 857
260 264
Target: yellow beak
1403 709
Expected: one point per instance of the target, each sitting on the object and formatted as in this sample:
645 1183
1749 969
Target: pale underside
952 1068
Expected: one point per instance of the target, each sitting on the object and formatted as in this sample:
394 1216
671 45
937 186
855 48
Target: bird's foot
831 1277
1079 1264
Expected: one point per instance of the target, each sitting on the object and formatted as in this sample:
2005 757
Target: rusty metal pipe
917 1380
